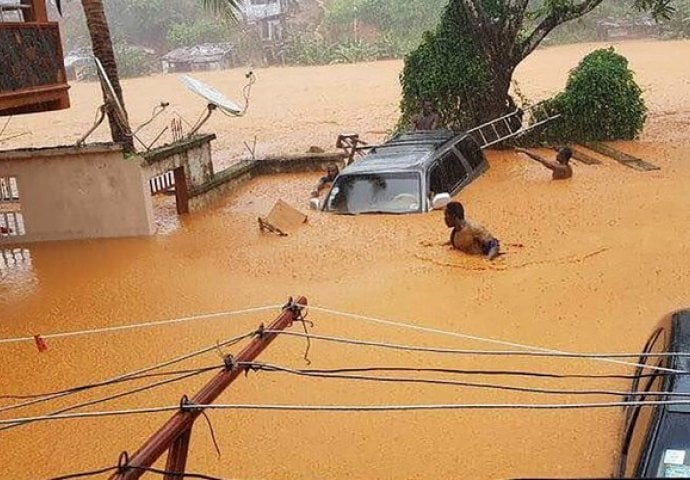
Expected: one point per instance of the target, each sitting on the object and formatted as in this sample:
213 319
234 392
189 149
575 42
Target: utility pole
174 435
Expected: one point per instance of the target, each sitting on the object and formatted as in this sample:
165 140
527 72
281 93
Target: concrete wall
232 177
73 193
193 154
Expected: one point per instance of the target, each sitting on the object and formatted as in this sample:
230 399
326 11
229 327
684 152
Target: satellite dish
111 97
213 96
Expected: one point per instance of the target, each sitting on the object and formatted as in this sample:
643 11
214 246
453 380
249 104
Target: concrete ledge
65 150
234 176
310 162
166 151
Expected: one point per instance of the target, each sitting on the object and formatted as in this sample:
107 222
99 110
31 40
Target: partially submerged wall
230 178
74 193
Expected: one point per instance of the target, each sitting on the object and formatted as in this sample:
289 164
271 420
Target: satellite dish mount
216 100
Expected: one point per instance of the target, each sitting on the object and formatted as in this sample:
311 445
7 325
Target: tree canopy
466 65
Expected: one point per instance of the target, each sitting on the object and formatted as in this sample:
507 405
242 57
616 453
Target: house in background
268 16
32 73
207 56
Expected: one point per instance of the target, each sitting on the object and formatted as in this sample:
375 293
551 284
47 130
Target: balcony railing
32 71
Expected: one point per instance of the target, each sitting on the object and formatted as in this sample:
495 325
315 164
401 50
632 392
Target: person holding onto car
469 237
428 119
561 167
331 174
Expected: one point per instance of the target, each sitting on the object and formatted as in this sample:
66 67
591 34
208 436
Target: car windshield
397 192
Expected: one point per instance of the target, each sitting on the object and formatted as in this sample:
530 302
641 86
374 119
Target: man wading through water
561 167
467 236
426 120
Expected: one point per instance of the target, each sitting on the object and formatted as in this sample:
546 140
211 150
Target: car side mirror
440 200
315 203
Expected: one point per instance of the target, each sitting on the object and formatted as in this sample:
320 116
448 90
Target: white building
267 15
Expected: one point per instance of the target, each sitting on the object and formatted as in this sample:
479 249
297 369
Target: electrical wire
169 473
352 408
141 325
554 354
229 342
516 373
157 471
91 473
111 397
493 386
122 380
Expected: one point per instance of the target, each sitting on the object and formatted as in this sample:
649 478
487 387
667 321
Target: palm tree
102 46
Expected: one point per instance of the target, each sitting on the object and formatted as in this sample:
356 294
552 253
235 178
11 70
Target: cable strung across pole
203 316
117 379
352 408
475 337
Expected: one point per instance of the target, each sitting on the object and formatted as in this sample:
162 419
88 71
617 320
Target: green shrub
601 101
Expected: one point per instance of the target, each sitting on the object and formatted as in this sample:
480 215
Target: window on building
11 218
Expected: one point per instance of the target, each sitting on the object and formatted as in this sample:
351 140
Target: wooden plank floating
579 155
621 157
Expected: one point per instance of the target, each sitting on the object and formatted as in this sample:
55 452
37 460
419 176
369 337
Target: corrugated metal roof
203 53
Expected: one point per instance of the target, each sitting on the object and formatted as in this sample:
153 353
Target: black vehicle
656 438
411 173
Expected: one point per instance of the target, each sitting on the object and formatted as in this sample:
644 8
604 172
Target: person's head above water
453 214
564 155
332 170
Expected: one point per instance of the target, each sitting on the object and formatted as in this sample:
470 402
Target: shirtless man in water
469 237
426 120
561 167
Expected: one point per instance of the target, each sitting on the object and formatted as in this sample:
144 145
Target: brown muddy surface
604 256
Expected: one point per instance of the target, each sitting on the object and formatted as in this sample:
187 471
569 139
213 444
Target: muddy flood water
592 264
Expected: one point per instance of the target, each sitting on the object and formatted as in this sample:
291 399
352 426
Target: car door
455 169
640 421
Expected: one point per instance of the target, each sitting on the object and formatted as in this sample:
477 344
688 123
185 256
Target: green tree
468 62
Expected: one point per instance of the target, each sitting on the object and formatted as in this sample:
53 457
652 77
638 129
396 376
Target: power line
124 468
229 342
516 373
91 473
467 336
494 386
352 408
416 348
452 406
141 325
112 397
122 380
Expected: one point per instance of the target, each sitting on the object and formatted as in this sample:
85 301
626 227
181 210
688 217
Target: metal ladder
512 125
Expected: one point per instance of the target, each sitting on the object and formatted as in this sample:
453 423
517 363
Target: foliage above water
601 101
448 68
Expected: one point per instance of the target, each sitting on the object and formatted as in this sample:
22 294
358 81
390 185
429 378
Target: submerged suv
411 173
656 438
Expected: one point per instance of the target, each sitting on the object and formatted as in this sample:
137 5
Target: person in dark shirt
331 174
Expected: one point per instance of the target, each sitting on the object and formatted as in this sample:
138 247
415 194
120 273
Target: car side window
640 423
469 148
639 418
437 181
455 170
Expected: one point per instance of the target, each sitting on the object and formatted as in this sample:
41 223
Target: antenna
111 98
217 100
113 103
